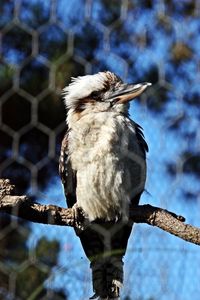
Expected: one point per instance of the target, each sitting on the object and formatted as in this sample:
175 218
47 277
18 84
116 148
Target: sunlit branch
23 207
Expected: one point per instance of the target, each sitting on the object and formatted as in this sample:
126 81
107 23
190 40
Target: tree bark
23 207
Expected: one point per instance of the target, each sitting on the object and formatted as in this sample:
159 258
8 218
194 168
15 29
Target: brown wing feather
67 174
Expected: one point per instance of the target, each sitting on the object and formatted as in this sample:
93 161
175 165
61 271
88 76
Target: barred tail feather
107 277
105 246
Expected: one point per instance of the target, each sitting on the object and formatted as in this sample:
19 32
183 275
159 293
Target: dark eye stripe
95 94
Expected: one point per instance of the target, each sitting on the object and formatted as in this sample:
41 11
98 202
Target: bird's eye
95 95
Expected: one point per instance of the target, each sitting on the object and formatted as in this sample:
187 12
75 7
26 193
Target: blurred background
43 44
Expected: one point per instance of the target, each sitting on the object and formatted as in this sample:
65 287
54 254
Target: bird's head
100 92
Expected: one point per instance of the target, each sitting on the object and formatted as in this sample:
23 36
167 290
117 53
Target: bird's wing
140 137
67 174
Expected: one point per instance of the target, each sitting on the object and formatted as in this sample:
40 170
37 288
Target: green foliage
6 77
27 269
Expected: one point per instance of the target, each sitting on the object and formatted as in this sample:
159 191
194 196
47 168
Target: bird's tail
105 246
107 277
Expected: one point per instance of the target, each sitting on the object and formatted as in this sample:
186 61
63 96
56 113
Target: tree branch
22 207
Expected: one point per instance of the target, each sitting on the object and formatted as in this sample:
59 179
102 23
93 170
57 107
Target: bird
102 166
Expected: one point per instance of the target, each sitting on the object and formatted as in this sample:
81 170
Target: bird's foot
80 217
113 292
95 296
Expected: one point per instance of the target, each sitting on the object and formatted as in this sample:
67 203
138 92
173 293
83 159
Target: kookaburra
103 170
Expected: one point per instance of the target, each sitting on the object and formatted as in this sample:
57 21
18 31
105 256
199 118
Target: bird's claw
80 217
95 296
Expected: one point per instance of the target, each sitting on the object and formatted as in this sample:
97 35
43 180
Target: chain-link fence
43 44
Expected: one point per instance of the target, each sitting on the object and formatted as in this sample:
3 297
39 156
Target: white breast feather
109 174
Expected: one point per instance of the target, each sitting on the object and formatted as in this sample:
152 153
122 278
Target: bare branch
166 221
22 207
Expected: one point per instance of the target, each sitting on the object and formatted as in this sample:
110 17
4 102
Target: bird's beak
128 92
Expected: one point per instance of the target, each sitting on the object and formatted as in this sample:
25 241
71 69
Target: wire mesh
43 44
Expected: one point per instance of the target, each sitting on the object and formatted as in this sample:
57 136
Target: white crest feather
82 87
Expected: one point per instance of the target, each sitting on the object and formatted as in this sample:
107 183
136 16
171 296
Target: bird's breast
109 164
